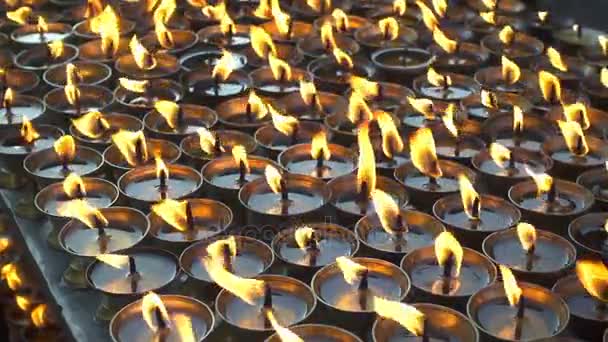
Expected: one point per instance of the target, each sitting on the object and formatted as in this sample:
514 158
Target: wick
77 105
139 150
530 258
162 185
289 29
216 85
79 192
320 160
476 208
511 162
433 181
227 256
248 112
447 274
189 216
284 190
312 248
363 197
242 172
294 135
6 103
519 317
380 92
162 325
580 145
65 165
132 266
363 289
101 231
552 194
267 298
457 147
425 333
230 33
110 51
3 81
180 116
217 146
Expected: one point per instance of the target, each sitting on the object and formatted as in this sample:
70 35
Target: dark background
592 13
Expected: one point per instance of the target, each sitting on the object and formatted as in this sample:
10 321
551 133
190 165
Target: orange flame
132 146
285 335
574 137
543 181
358 110
603 42
387 210
518 119
440 7
308 92
273 178
83 212
399 7
303 235
342 58
8 98
28 132
56 48
506 35
206 140
527 235
216 12
281 71
489 17
542 16
490 4
448 45
42 25
428 17
5 244
448 120
117 261
227 25
23 302
73 186
135 86
389 28
422 106
550 86
341 20
261 42
100 22
577 112
500 154
423 153
216 249
93 8
20 15
257 105
169 110
391 139
406 315
239 154
447 247
264 10
364 87
161 168
593 275
511 72
319 147
12 275
143 58
150 303
172 212
437 79
247 290
65 147
184 328
223 68
351 270
39 316
512 290
556 60
72 93
327 36
319 5
471 201
366 172
282 20
163 35
488 99
604 77
285 124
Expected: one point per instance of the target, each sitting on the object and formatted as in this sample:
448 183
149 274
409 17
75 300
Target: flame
506 35
164 11
93 8
264 10
391 139
319 5
512 290
574 137
308 92
38 315
366 172
216 249
470 198
437 79
500 154
261 42
72 93
550 86
448 45
577 112
282 20
527 235
448 120
65 147
340 20
239 154
542 16
273 178
399 7
82 211
9 96
247 290
490 4
281 71
150 303
518 119
183 325
319 147
223 68
489 17
603 41
12 275
285 335
303 235
543 181
358 110
351 270
206 140
150 4
102 21
510 71
424 156
227 25
216 12
73 186
257 105
161 168
42 25
28 132
20 15
389 28
135 86
422 106
406 315
387 210
364 87
342 58
143 58
23 302
285 124
117 261
447 247
163 35
556 60
327 36
593 275
440 7
130 144
5 244
172 212
169 110
604 77
488 99
428 17
56 48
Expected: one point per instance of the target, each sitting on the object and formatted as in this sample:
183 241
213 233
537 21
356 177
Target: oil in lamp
348 291
148 184
283 28
333 73
318 159
319 46
471 216
572 39
501 167
110 44
89 73
391 232
280 198
262 46
485 104
352 193
168 317
311 10
21 81
454 144
226 35
240 255
175 224
543 257
172 40
174 122
596 55
285 131
139 97
42 32
420 321
401 64
133 149
518 130
545 201
381 95
208 58
310 104
312 332
589 233
425 177
517 311
206 145
446 273
455 56
445 87
91 27
124 277
585 298
455 29
99 193
517 46
142 64
94 129
53 164
386 33
594 181
344 23
302 250
245 113
277 79
43 56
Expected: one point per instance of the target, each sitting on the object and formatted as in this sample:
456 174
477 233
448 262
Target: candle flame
261 42
542 16
389 28
163 35
511 72
12 275
399 7
281 71
216 249
319 147
604 77
518 119
183 325
603 41
593 275
142 57
28 132
42 25
448 45
257 105
23 302
488 99
5 244
206 139
117 261
161 168
303 235
422 106
423 153
106 17
574 137
489 17
286 124
471 201
173 213
169 110
342 58
56 48
366 172
164 11
428 17
577 112
132 146
135 86
358 110
387 210
448 120
65 147
274 178
93 8
500 154
8 98
282 20
440 7
150 304
82 211
437 79
406 315
341 20
223 68
308 92
512 290
448 249
364 87
39 315
490 4
216 12
391 139
73 186
247 290
264 9
319 5
285 335
72 93
351 270
239 154
327 36
543 181
527 235
550 86
20 15
227 25
506 35
556 60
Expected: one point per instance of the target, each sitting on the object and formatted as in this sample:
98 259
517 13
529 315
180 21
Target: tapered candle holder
302 9
571 201
90 73
145 270
523 49
200 85
100 140
165 66
372 38
545 314
265 83
298 30
376 242
30 34
552 256
83 32
460 87
126 227
128 324
401 65
322 105
274 142
504 104
430 283
298 159
208 58
594 180
38 59
20 81
140 102
189 119
213 35
197 158
350 306
589 235
90 98
467 58
424 192
291 300
385 330
313 47
238 114
93 51
535 130
491 78
571 39
327 242
567 165
118 165
330 76
181 41
321 331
